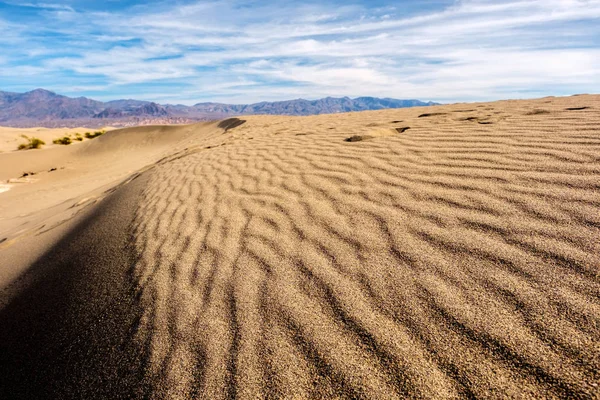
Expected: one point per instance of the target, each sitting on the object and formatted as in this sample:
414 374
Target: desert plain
431 252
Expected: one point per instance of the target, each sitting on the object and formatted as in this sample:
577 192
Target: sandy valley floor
442 252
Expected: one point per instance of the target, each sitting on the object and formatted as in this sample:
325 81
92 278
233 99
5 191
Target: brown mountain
44 108
41 105
328 105
149 109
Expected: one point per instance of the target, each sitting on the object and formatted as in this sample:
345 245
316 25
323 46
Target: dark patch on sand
430 114
537 112
476 119
358 138
576 108
230 123
403 129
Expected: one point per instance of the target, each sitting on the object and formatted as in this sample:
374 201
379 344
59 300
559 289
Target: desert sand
439 252
10 138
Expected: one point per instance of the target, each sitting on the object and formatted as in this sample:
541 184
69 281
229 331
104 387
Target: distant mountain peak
40 93
40 90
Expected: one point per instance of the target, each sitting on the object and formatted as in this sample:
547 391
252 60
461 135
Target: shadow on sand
69 335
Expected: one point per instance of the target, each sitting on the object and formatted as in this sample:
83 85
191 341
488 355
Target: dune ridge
452 252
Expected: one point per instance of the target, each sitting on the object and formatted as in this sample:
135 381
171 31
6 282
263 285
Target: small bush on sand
32 143
63 140
78 137
91 135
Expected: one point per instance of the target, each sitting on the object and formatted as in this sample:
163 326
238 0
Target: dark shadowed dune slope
69 335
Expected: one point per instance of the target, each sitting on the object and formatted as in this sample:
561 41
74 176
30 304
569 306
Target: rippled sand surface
441 252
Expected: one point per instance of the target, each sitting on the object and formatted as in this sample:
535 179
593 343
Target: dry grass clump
90 135
32 143
68 139
65 140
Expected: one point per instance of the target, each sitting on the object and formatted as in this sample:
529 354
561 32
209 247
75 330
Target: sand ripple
457 258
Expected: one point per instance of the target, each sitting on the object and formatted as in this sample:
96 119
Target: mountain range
44 108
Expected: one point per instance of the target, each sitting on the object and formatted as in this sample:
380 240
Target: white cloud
471 50
47 6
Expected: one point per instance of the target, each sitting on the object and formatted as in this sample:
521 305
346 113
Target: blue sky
241 51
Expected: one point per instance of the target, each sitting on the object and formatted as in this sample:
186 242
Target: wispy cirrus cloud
46 6
244 50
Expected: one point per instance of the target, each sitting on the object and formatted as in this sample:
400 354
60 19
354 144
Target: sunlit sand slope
10 138
457 258
440 252
43 189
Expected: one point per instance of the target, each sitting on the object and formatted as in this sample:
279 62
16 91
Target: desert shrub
91 135
32 143
37 143
78 137
63 140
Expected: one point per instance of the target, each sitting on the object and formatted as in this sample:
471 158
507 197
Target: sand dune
10 138
444 252
62 181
